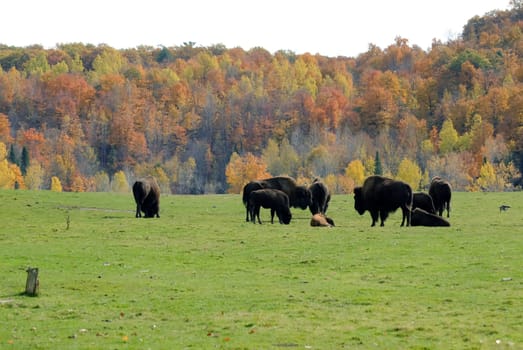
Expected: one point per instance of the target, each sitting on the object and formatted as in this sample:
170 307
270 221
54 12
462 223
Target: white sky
327 27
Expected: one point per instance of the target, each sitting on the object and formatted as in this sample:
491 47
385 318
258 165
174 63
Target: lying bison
423 201
420 217
441 192
321 220
147 197
380 196
299 196
275 200
320 197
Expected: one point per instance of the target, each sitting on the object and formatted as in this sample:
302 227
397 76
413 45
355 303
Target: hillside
83 113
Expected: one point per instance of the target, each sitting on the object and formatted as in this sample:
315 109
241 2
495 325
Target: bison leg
272 216
406 216
247 214
278 215
138 210
383 216
257 211
252 213
374 216
448 209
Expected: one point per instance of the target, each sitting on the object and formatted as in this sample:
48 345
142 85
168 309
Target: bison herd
378 195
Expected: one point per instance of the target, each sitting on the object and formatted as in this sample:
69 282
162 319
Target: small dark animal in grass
299 196
321 220
441 193
423 201
420 217
504 207
320 197
147 197
275 200
381 196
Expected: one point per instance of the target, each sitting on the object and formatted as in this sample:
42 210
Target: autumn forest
80 117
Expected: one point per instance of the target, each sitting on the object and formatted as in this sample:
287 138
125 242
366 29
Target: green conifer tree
24 161
12 158
378 170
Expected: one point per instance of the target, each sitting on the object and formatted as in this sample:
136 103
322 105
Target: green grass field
200 277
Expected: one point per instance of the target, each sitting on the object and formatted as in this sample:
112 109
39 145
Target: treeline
202 118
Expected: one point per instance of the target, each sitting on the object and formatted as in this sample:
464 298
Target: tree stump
31 285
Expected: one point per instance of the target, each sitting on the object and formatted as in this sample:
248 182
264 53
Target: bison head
359 202
286 217
303 197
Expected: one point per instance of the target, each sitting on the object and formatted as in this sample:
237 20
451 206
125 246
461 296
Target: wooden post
31 285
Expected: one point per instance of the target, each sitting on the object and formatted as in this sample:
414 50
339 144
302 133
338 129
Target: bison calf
275 200
321 220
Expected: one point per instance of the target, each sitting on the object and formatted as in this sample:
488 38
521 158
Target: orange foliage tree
241 170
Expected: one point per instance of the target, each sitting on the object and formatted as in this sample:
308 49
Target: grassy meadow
200 277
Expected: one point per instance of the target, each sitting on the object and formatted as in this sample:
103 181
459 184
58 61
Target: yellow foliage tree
19 182
34 176
102 183
119 183
488 179
56 185
162 178
7 176
241 170
448 137
409 172
356 171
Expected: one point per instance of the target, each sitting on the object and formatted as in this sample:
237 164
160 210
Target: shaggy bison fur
420 217
381 196
299 196
321 220
146 194
423 201
441 193
320 197
275 200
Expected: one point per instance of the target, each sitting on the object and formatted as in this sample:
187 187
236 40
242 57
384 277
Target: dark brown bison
441 193
299 196
320 197
423 201
321 220
380 196
147 197
420 217
247 189
275 200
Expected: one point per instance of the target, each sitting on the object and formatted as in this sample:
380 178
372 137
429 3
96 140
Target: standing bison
147 197
441 192
423 201
299 196
320 197
380 196
275 200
